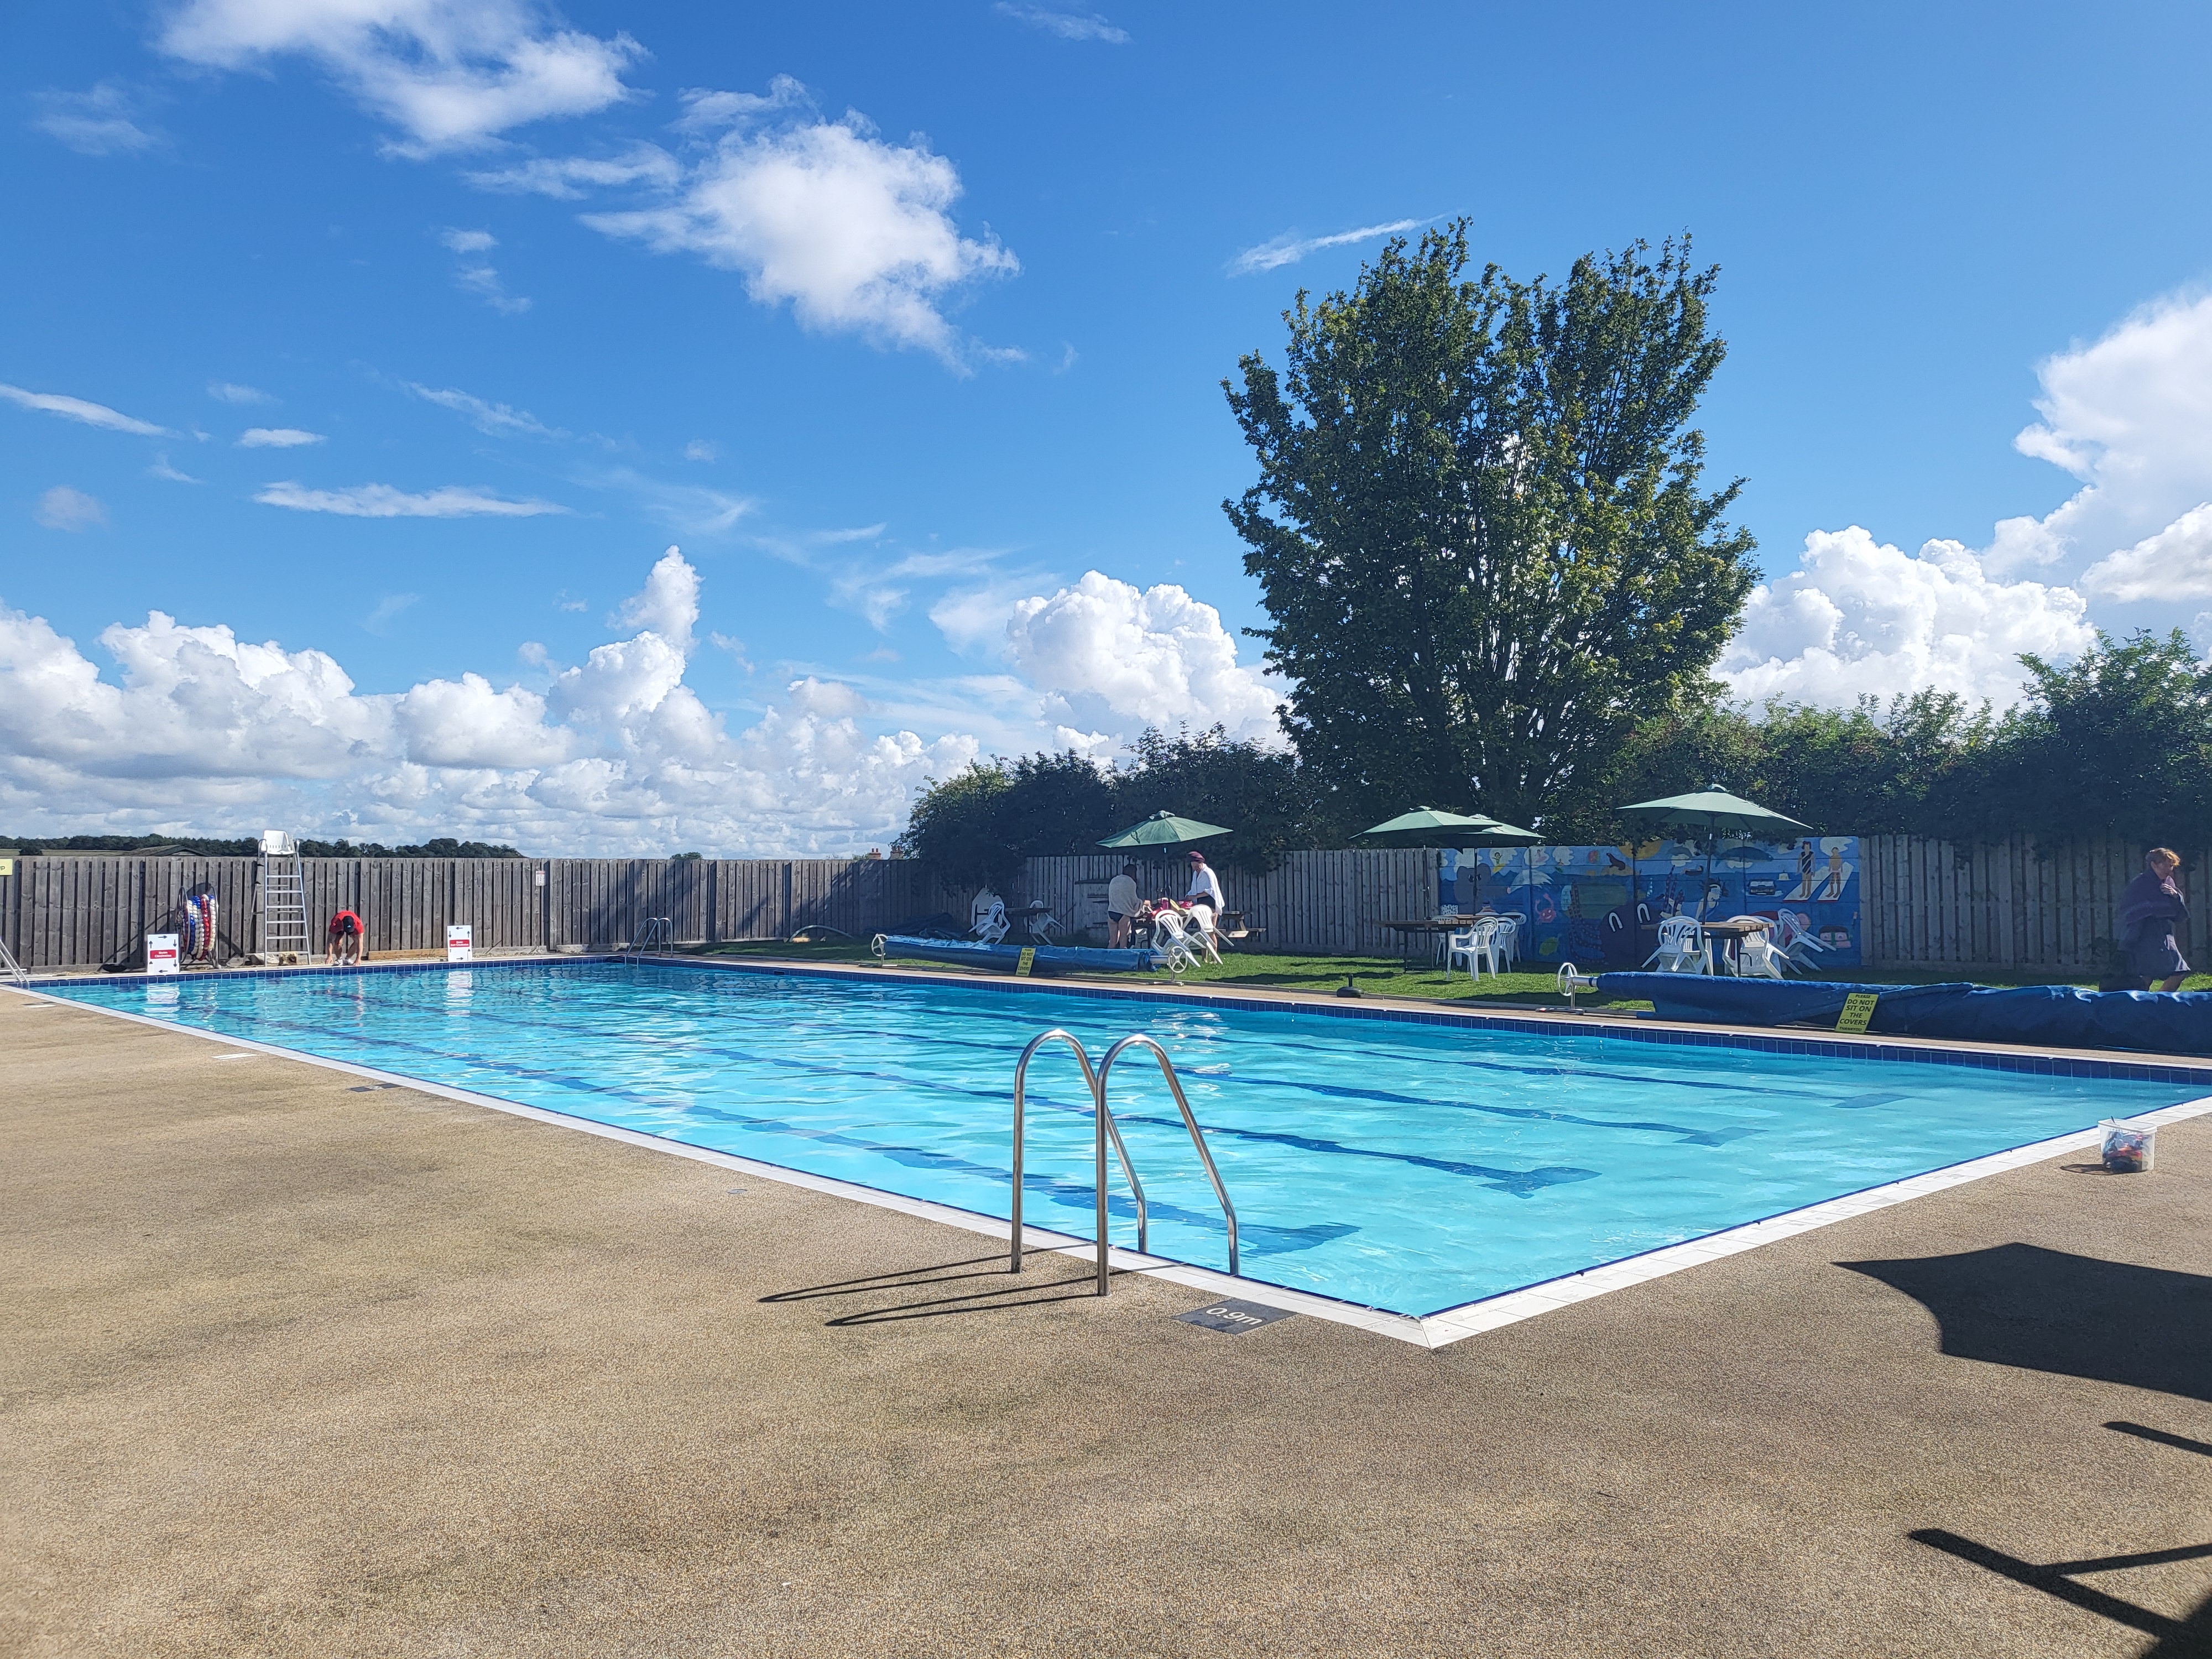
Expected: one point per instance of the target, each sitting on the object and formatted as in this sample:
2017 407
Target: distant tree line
2117 742
442 847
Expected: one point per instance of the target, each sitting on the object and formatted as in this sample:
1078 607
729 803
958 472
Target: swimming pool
1403 1166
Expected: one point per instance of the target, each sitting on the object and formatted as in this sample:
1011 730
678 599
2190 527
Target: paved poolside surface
288 1369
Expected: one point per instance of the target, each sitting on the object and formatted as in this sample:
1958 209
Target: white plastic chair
1680 949
1477 945
1508 941
1173 948
1199 922
1797 943
1757 958
988 917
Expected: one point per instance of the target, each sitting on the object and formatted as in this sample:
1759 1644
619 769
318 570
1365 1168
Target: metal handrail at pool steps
1096 1080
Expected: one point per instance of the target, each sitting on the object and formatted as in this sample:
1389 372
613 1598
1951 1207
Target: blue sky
926 321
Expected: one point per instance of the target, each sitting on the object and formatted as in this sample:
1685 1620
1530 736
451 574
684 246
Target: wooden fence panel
1924 904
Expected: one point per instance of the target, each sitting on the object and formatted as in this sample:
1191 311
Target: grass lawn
1389 977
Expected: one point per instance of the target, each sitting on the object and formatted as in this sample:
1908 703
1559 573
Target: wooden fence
74 911
1330 903
1929 904
1924 904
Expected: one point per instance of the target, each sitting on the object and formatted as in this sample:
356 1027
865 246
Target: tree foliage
981 824
1480 527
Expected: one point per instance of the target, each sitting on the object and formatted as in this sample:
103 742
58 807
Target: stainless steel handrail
1190 1122
655 927
15 969
1104 1129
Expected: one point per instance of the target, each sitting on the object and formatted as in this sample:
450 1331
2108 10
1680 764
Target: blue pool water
1404 1166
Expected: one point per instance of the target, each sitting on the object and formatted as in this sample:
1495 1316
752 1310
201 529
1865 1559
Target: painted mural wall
1603 905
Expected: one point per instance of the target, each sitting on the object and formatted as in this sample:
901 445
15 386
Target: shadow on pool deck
286 1369
2047 1310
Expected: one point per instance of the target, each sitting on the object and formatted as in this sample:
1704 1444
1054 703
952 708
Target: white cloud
855 233
567 178
1109 657
2176 563
276 437
1860 617
2129 415
383 501
1290 247
700 450
95 123
497 420
391 605
64 508
229 391
619 756
476 275
450 74
616 754
161 469
76 409
1067 25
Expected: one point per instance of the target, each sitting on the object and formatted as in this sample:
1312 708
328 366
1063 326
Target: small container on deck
2127 1148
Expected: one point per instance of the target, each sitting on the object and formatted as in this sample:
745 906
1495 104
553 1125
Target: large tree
1480 527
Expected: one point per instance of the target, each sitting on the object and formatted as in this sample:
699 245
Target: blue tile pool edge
1435 1329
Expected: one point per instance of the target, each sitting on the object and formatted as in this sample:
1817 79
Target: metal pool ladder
1107 1129
656 929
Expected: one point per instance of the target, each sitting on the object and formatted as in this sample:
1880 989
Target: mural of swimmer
1602 905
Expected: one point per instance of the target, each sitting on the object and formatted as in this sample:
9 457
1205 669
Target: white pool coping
1435 1330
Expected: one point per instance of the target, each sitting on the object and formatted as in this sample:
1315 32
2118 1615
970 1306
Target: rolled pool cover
974 953
2057 1016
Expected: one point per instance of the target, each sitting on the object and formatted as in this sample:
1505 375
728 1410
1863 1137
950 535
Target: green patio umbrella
1709 814
1163 828
1434 828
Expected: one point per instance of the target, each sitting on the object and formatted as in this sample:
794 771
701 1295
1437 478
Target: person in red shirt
344 941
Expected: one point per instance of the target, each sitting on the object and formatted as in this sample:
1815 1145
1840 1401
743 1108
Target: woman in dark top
2150 909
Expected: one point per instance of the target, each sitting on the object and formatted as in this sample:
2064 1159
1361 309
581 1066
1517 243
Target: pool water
1397 1165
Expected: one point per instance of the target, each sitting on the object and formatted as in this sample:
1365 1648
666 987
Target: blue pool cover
2052 1016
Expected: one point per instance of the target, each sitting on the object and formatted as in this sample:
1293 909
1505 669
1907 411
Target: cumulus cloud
102 121
2176 563
855 233
383 501
276 437
1067 25
2131 416
1290 247
449 74
1860 617
1108 657
76 409
64 508
619 755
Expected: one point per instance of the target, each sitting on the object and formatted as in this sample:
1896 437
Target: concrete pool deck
293 1368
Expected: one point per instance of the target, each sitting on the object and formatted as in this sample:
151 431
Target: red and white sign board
460 947
162 953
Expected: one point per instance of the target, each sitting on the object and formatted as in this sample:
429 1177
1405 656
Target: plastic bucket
2127 1149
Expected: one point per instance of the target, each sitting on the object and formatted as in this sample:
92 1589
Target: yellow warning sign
1028 961
1858 1009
